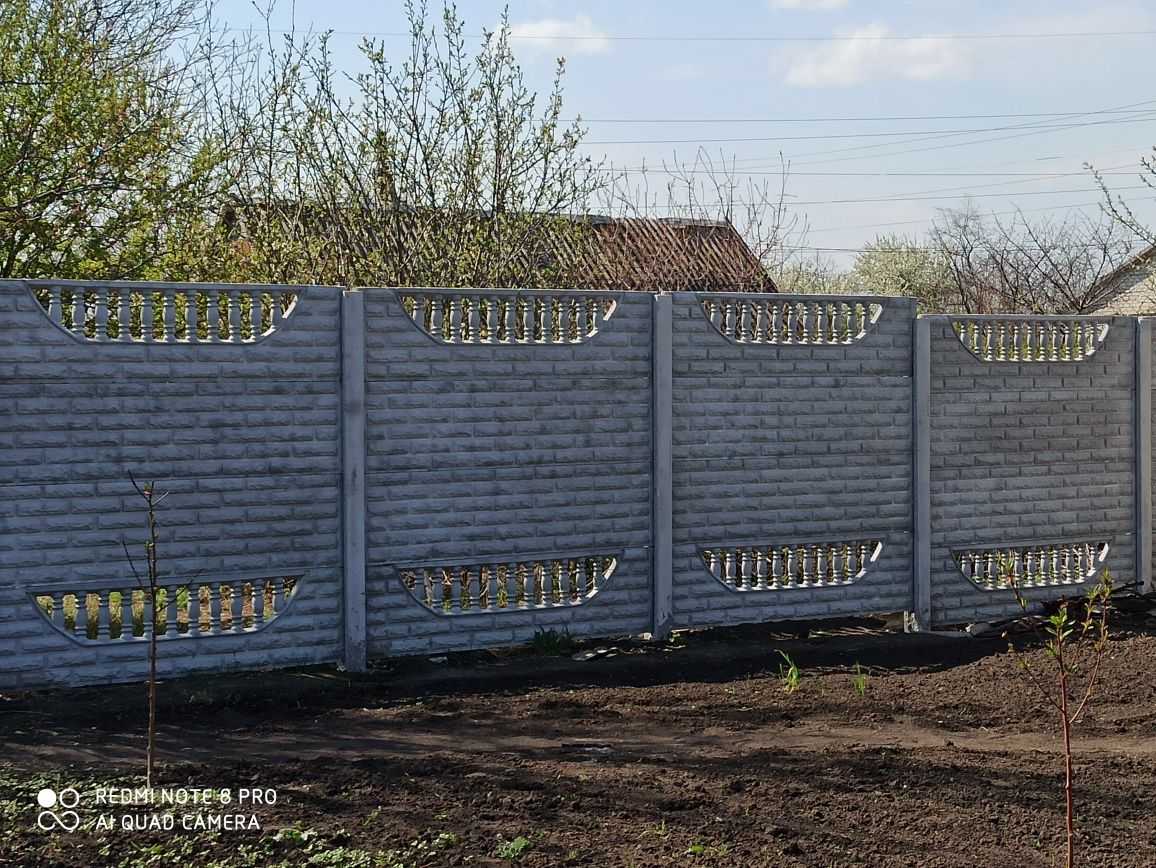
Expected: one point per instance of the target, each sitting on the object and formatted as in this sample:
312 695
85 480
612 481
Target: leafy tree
814 276
102 140
897 265
442 169
135 143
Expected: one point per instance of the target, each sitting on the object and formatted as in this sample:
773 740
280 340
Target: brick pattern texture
1029 452
489 453
780 444
243 438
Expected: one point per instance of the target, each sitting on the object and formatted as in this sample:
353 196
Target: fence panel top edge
1025 317
794 298
467 291
167 285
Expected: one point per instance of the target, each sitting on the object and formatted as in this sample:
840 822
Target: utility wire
677 38
1023 176
965 190
847 119
880 200
941 147
924 220
790 172
1131 109
932 134
920 198
1034 128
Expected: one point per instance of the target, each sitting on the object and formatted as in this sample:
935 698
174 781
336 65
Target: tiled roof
587 252
666 255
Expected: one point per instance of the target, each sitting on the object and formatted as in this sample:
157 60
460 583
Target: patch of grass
203 697
554 643
717 851
658 831
859 679
789 677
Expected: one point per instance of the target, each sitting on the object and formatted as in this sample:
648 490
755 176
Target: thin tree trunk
1069 795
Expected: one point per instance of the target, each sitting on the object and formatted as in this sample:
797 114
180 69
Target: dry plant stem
146 491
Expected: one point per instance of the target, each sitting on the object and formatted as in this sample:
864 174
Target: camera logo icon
67 819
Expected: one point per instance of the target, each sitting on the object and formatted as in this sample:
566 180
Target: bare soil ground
685 754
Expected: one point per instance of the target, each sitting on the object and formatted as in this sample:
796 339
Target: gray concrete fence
378 472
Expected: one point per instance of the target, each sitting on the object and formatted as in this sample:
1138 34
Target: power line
1024 176
762 161
847 119
879 200
922 198
1147 116
1033 132
965 189
723 39
1132 109
927 220
854 151
1034 127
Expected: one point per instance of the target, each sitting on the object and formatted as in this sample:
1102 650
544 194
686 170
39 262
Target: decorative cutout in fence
164 313
1031 566
525 317
1030 339
187 610
763 567
773 320
509 586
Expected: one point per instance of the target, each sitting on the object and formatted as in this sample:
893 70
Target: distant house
1129 290
583 252
665 255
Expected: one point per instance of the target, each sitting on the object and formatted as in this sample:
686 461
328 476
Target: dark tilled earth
643 755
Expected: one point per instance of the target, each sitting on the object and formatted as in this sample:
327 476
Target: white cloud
559 36
809 5
871 53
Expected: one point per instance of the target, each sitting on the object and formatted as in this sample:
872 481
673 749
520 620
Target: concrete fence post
1143 447
662 511
353 477
920 616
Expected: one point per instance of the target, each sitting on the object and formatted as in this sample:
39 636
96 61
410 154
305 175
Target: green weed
513 850
789 677
859 679
554 643
719 851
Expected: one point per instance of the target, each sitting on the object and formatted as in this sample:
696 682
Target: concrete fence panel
360 473
1032 448
238 431
791 456
508 466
